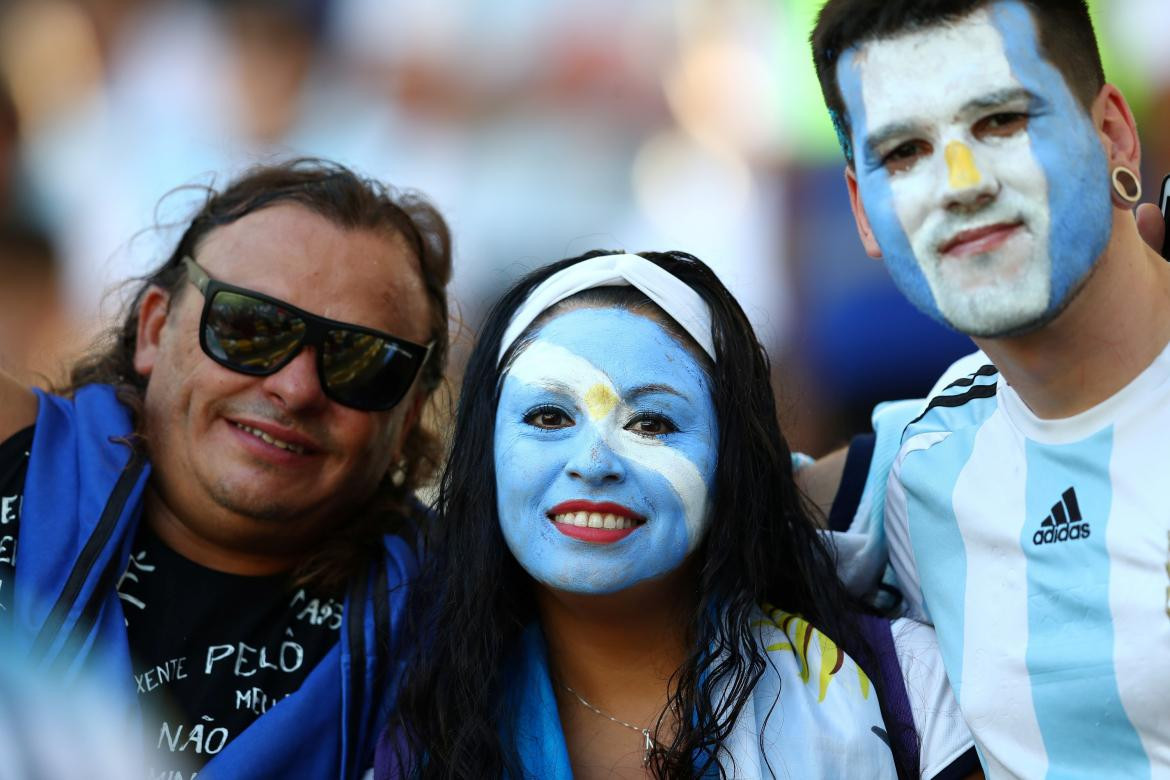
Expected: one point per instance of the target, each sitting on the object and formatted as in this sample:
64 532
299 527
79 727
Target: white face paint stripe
679 471
543 363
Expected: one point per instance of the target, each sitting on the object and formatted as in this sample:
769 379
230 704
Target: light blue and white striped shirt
1040 550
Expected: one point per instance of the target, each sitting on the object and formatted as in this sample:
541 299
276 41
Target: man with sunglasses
216 516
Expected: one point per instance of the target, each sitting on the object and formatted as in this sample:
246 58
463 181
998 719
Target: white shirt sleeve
943 733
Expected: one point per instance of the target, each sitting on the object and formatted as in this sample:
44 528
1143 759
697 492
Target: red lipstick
592 512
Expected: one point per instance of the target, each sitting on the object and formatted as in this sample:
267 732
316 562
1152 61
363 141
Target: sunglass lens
250 335
365 371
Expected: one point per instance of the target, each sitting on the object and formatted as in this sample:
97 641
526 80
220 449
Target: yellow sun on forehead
600 401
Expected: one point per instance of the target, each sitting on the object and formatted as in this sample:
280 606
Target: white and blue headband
671 294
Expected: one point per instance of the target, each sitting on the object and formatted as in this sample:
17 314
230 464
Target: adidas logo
1065 524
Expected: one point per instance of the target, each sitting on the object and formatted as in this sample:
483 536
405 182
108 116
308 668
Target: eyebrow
651 389
999 98
554 386
880 137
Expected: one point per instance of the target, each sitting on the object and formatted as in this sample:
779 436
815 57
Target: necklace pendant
647 747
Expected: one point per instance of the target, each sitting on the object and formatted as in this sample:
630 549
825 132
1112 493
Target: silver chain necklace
648 742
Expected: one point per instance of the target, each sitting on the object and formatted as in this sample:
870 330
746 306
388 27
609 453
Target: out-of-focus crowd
540 129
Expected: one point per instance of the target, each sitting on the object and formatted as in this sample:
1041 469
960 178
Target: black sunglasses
257 334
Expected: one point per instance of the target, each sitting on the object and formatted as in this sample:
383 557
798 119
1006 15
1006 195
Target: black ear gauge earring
1127 186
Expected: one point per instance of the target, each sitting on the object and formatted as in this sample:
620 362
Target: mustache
312 429
945 225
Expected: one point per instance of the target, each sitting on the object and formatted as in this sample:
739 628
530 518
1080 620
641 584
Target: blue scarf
81 508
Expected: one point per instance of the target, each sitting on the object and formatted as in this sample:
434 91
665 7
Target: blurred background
540 129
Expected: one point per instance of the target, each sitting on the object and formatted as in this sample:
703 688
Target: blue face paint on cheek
873 185
609 373
1065 143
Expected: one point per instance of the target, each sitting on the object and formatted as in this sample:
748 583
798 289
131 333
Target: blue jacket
82 504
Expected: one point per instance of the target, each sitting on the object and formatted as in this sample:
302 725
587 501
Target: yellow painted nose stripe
961 166
599 401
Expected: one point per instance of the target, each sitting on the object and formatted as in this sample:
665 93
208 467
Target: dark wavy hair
1064 28
350 201
473 599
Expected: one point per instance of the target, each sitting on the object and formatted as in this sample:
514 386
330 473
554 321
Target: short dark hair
1065 32
349 201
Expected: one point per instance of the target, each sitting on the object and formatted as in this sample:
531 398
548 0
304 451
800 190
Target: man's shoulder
939 442
82 425
963 398
961 401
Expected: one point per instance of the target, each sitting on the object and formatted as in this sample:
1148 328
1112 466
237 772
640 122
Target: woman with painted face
623 580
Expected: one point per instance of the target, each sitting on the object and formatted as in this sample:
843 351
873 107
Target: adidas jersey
1040 550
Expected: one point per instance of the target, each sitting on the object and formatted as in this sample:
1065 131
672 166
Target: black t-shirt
211 651
13 466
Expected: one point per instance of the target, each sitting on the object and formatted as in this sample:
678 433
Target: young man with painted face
994 171
215 519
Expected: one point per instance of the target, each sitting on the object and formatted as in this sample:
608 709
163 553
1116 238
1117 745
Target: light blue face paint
1065 143
1062 148
873 184
600 376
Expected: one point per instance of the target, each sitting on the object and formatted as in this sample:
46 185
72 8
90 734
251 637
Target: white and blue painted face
982 176
605 450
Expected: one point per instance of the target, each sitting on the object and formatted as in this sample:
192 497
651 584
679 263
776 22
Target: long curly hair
350 201
473 599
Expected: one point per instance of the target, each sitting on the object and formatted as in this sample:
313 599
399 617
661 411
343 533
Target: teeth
259 434
595 520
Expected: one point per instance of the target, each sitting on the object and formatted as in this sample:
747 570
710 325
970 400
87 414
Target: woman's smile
593 522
